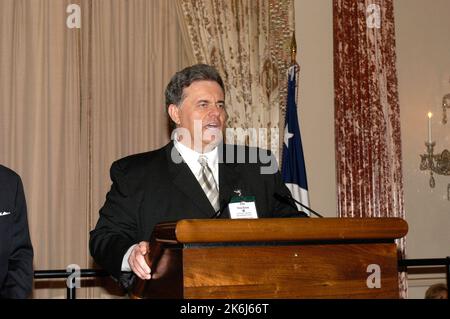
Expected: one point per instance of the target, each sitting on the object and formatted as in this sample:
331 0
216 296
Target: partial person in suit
16 251
193 176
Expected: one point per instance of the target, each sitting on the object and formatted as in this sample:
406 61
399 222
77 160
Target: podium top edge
281 229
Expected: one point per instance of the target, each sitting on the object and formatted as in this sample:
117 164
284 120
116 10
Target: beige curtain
40 128
367 113
74 100
248 41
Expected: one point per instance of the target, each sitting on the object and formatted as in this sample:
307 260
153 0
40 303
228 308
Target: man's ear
173 111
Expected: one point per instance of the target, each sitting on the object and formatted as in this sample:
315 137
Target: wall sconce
439 163
445 106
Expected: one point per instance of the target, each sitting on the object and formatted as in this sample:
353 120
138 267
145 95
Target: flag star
287 136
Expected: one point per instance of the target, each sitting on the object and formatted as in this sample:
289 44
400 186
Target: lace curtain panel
248 41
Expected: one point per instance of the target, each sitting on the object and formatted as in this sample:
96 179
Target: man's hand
137 261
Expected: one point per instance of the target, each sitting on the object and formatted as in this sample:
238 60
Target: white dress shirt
191 158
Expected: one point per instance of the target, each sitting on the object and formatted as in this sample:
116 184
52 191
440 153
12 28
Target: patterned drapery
248 42
367 112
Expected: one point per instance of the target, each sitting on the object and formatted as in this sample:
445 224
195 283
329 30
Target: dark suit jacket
150 188
16 252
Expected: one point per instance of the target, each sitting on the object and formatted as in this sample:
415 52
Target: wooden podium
274 258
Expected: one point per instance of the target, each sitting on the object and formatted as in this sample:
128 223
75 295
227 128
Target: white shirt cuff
125 264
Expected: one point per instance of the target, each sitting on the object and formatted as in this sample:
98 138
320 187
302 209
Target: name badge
242 207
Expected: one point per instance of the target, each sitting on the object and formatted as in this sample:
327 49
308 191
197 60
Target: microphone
290 198
285 199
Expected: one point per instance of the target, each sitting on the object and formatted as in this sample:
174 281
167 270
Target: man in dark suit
16 252
194 176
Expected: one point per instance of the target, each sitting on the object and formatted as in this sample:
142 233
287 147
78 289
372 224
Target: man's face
201 114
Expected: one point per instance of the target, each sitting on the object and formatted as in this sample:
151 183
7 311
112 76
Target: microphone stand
304 206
